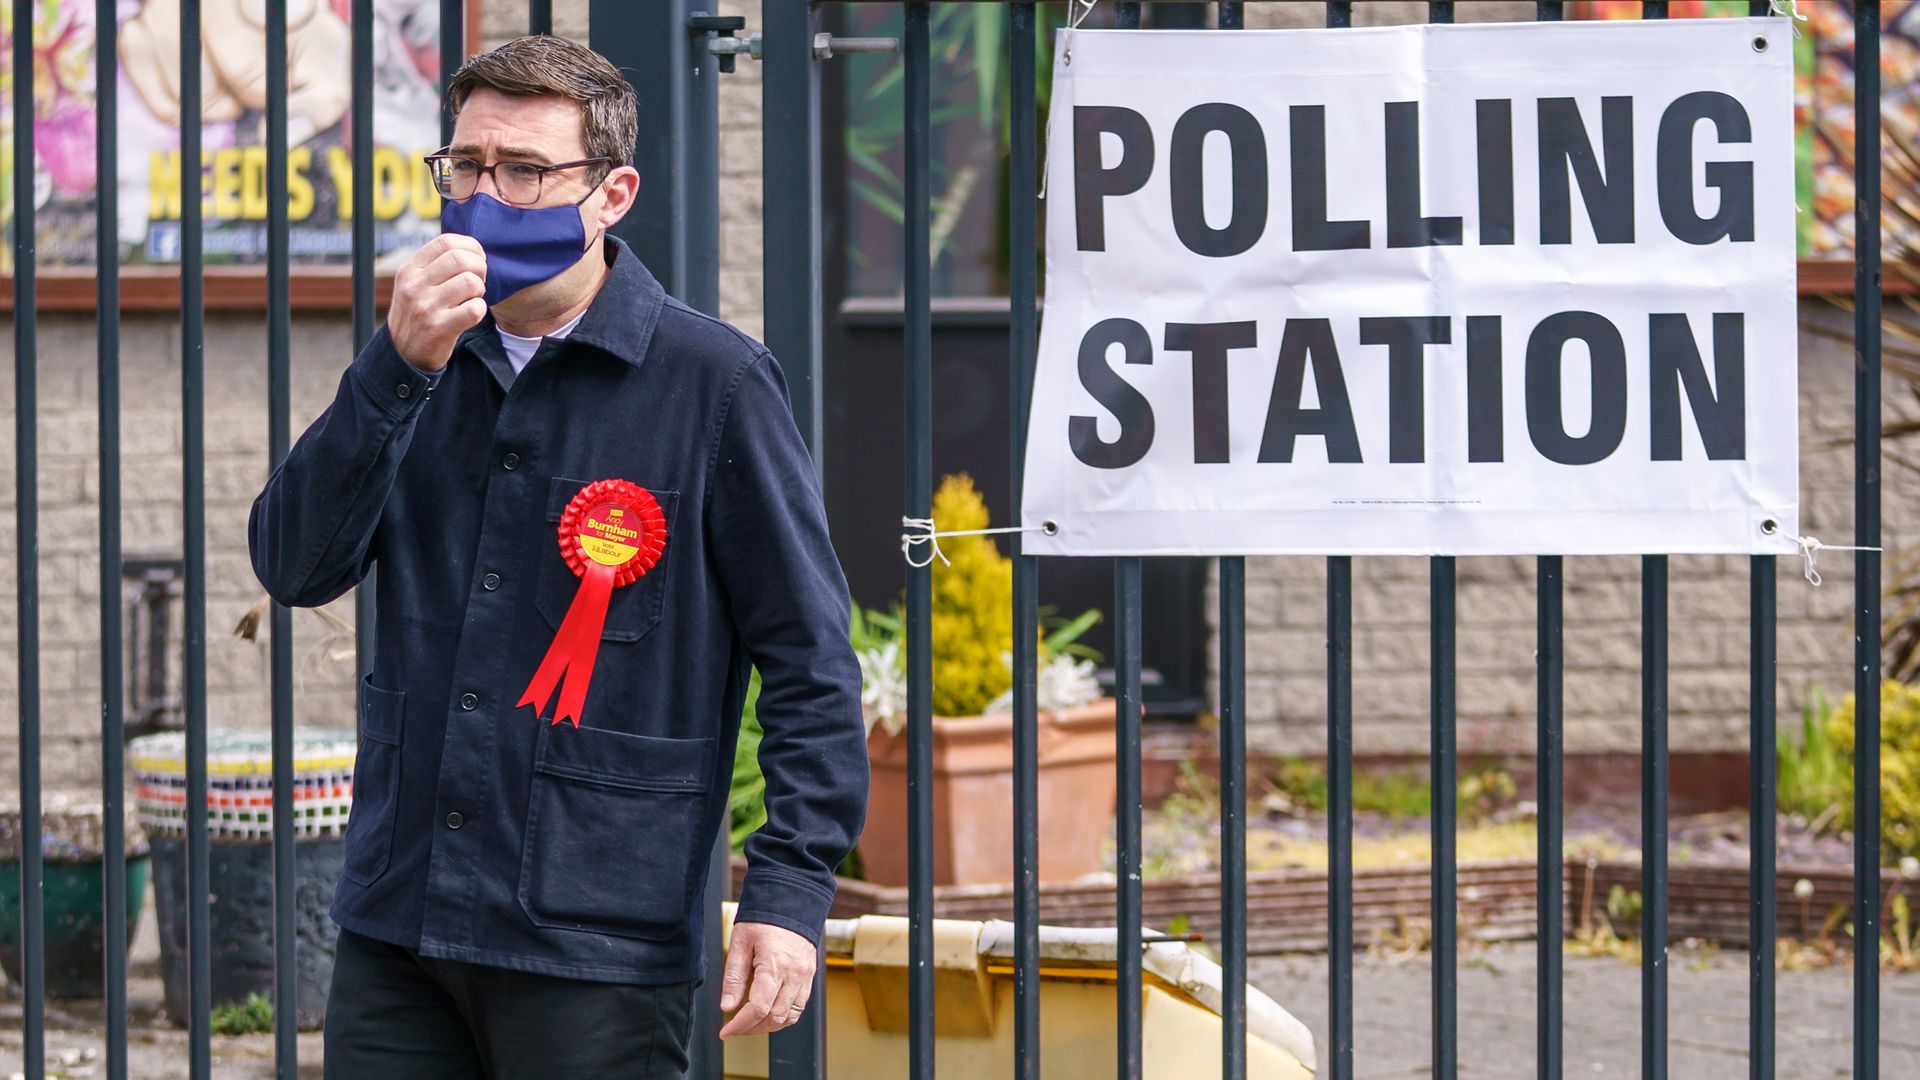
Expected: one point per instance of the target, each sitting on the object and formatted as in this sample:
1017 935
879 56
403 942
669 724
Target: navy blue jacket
480 832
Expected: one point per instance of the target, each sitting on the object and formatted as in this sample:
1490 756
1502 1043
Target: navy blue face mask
525 245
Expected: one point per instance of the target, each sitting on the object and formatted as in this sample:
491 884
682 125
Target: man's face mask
525 245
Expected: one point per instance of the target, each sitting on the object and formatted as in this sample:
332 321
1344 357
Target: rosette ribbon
611 534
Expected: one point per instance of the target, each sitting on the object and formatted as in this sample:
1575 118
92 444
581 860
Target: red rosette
611 533
640 509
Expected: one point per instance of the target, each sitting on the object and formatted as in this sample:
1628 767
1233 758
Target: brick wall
238 671
1286 597
236 438
1286 617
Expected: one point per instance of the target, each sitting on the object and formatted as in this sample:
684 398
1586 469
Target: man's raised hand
437 294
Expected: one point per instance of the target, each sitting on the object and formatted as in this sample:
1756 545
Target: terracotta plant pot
973 797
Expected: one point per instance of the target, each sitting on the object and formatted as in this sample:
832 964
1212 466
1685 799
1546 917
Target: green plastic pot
75 929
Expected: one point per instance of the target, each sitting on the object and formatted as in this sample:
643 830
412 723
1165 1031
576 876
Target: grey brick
1481 648
1707 692
1390 649
1508 603
1395 603
1601 693
1287 651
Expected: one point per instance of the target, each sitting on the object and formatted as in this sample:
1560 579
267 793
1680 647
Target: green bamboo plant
968 48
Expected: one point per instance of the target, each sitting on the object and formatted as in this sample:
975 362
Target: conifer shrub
1899 766
972 605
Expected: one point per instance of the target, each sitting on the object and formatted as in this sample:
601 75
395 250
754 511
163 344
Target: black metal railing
651 41
26 489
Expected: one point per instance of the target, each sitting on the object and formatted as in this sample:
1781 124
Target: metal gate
675 53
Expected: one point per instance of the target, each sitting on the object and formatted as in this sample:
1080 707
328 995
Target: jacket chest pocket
634 608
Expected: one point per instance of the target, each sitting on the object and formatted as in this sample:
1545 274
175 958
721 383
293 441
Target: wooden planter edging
1287 909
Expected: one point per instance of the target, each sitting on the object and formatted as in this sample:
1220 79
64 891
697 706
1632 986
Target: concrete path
1707 1023
1708 1020
156 1048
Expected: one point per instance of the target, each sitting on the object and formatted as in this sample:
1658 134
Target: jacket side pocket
613 831
376 783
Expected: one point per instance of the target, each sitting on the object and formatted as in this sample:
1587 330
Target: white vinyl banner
1493 289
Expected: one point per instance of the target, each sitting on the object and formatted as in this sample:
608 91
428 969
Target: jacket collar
621 319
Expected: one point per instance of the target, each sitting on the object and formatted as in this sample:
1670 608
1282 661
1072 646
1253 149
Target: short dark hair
541 65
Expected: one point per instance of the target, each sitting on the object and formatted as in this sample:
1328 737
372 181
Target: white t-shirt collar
520 350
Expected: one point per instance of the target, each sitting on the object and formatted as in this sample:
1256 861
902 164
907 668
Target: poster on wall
234 158
1454 290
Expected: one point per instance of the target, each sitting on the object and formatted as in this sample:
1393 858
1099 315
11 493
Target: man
540 438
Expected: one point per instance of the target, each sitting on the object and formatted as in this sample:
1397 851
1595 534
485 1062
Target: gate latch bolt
719 31
826 45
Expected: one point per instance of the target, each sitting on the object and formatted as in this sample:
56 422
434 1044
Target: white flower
1803 888
883 687
1063 683
1909 867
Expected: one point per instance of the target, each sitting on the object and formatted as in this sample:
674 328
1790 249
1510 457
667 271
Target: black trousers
395 1014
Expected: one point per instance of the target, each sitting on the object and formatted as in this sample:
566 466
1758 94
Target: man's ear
621 187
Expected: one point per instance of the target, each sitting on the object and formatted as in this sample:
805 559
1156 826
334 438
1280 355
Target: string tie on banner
1788 9
1079 10
1810 549
921 532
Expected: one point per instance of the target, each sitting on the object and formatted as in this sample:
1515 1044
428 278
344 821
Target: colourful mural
233 164
1823 115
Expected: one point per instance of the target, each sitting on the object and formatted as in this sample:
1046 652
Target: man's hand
437 294
780 964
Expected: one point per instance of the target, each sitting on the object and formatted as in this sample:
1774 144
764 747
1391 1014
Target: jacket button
490 582
511 461
403 390
454 820
469 702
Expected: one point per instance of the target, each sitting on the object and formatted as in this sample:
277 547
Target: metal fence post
1340 775
1023 249
26 363
112 653
286 982
676 234
1866 532
360 61
193 442
676 231
790 141
918 409
790 147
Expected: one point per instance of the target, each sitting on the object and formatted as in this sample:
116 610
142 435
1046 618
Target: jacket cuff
784 901
393 384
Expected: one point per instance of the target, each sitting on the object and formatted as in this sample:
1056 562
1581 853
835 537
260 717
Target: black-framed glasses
518 182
